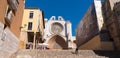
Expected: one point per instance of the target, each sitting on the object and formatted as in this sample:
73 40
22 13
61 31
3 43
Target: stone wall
93 44
8 43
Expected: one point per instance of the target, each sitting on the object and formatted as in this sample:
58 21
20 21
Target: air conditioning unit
13 4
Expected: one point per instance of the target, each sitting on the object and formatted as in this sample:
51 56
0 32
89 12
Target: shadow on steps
110 54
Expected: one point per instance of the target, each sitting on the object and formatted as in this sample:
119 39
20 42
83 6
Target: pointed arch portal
57 42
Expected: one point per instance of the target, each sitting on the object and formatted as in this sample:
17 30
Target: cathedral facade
58 33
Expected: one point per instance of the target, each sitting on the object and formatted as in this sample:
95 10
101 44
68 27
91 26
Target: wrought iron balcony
13 4
8 16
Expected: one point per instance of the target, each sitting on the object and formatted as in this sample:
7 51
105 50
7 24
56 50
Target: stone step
55 54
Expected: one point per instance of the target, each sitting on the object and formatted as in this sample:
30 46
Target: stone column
34 40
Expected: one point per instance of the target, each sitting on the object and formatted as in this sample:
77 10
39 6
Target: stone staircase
55 54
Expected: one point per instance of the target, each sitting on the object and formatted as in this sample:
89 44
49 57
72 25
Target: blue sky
72 10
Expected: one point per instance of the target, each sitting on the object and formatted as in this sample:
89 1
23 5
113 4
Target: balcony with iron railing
13 4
